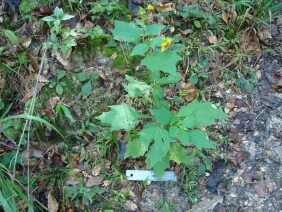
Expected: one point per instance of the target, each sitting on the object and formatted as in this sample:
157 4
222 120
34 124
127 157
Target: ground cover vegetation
90 89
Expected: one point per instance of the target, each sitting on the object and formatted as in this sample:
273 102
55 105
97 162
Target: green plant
105 8
62 37
88 86
11 196
62 109
58 83
169 131
84 194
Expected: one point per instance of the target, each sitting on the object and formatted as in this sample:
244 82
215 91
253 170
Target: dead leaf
213 39
191 91
279 21
164 7
33 61
51 103
225 17
63 61
264 34
114 56
44 10
261 189
89 25
249 43
25 42
72 182
234 13
130 206
67 54
31 92
94 181
53 205
57 160
8 146
106 183
96 170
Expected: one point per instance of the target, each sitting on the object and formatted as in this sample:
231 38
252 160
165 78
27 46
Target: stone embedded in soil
130 206
171 194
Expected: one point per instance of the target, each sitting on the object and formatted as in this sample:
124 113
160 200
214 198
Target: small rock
239 102
279 21
130 206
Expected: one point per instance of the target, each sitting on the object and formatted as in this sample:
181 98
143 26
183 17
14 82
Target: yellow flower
150 7
166 42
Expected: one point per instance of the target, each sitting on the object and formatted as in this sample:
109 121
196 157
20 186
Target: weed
158 140
59 84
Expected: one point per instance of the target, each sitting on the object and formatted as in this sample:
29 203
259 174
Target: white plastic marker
141 175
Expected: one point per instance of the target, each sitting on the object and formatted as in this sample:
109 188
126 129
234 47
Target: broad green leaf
86 89
162 115
139 49
61 74
67 17
170 79
58 12
164 61
188 122
126 32
173 131
59 89
161 166
178 154
135 149
203 113
195 14
12 37
121 117
194 79
197 24
195 137
136 88
154 29
146 136
48 19
203 63
67 112
160 146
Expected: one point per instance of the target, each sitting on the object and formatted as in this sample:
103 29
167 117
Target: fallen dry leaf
31 92
96 170
51 103
41 11
33 61
106 183
164 7
213 39
25 42
264 34
261 189
191 91
225 17
94 181
53 205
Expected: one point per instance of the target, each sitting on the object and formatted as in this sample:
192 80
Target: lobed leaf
164 61
127 32
121 117
195 137
202 113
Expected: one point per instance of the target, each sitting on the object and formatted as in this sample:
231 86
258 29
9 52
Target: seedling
58 83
